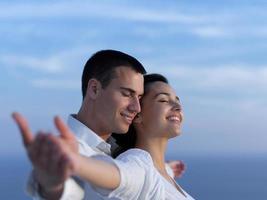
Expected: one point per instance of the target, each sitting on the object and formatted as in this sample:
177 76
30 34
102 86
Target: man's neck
91 125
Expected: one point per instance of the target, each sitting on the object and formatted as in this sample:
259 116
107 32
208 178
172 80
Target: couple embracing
114 147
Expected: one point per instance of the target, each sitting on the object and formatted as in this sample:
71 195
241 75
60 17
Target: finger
56 148
63 129
47 152
182 166
36 150
59 151
25 131
66 166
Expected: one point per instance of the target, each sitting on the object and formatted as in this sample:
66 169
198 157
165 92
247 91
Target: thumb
63 129
25 131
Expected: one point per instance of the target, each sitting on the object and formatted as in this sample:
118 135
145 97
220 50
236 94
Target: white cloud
81 9
50 65
229 77
216 24
56 84
62 61
210 31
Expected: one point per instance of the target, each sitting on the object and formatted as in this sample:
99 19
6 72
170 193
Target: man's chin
123 130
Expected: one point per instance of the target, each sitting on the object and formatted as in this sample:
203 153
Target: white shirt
169 170
89 144
140 180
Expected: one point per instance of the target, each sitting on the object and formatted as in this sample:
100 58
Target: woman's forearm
97 172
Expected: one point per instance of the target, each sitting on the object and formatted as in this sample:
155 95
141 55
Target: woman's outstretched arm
98 172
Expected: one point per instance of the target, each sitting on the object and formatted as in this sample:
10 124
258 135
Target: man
112 84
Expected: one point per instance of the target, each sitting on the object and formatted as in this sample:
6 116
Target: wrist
45 188
53 192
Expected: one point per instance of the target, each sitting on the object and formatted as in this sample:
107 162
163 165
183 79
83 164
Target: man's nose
135 105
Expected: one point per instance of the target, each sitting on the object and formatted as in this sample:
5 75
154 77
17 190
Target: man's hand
51 165
178 167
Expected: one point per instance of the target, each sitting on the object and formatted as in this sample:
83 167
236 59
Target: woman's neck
156 148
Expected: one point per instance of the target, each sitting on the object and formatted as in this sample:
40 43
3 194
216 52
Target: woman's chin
174 134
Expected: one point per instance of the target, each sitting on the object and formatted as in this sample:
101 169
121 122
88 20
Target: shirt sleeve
72 189
137 176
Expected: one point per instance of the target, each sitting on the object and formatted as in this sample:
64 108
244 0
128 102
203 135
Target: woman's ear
93 88
137 119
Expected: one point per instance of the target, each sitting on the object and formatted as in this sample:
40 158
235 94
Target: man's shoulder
87 150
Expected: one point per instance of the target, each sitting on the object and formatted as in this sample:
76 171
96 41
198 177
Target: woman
140 172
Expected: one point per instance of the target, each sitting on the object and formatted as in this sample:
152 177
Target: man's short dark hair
102 65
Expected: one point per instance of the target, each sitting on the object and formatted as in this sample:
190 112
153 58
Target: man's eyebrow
128 89
167 94
131 91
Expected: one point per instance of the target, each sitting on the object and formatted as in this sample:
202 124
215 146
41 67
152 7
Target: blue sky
212 52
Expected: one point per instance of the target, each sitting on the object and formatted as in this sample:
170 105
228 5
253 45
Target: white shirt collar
85 134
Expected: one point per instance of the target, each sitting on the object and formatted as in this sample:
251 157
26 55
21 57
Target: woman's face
161 112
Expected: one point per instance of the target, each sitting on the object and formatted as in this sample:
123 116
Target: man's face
118 103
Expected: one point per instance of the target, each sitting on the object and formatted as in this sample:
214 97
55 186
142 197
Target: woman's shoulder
135 152
137 155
